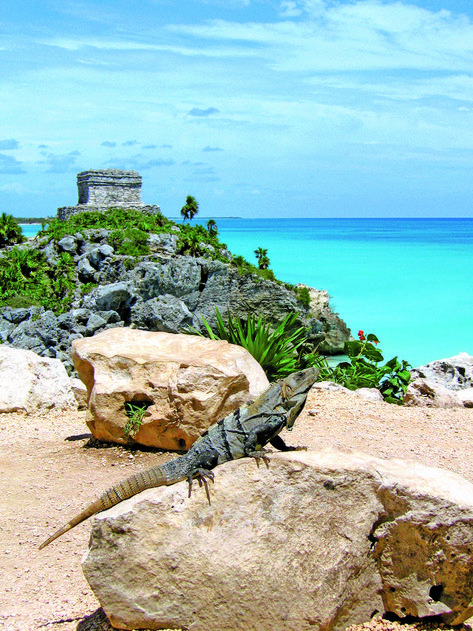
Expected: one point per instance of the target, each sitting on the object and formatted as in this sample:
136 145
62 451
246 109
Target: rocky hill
161 277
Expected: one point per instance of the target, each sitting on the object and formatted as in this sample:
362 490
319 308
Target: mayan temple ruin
107 188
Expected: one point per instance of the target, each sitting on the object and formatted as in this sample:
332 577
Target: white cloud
365 35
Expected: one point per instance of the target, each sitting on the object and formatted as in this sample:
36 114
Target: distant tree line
31 219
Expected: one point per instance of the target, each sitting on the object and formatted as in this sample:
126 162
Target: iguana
242 433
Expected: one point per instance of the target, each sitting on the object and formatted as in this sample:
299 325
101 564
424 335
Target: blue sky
256 107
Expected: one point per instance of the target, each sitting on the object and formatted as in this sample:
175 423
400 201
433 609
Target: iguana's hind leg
201 476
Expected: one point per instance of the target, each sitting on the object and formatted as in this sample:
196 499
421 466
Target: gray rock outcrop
320 540
164 291
182 383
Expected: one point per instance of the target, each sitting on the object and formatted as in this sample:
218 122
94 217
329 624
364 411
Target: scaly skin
245 432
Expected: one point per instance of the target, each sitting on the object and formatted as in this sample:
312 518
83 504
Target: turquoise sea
409 281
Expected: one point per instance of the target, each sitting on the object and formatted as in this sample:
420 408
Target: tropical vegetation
10 231
283 349
190 209
275 349
262 257
364 369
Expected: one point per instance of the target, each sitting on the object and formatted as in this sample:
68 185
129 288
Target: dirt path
48 474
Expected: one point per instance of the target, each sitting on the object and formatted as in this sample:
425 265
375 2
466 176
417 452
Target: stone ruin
103 189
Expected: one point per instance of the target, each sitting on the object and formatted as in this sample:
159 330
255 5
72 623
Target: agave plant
275 349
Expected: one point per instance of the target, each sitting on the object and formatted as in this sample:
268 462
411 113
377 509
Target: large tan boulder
319 540
30 383
185 382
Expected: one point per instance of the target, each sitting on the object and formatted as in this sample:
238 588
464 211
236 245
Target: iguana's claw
201 475
260 454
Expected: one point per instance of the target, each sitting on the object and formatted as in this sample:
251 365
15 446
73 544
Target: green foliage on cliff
244 268
26 279
194 240
115 219
10 232
52 286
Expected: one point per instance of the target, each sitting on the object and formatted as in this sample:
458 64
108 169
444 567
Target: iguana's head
294 392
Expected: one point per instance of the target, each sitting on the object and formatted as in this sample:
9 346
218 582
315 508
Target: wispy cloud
364 35
8 144
195 111
11 165
60 163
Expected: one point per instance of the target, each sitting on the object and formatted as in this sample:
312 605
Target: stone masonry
107 188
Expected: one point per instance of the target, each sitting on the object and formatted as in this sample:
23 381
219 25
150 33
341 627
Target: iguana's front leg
261 435
278 443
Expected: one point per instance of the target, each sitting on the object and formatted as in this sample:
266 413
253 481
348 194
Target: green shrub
113 219
303 295
363 370
135 412
246 268
25 275
130 240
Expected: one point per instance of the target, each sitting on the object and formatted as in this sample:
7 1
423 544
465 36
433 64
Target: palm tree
212 228
10 231
262 256
190 209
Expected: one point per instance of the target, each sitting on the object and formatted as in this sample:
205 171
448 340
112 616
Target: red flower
361 336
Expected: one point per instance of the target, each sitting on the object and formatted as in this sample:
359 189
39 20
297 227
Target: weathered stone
102 189
454 373
466 397
165 313
163 243
35 334
94 323
336 332
85 269
114 297
80 393
427 393
370 394
187 383
68 244
6 329
318 540
31 383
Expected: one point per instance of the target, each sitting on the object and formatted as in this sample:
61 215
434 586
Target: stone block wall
107 188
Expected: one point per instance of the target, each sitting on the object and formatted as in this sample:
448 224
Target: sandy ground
48 474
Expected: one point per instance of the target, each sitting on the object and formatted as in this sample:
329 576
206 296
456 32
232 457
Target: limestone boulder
182 383
319 540
443 383
30 383
454 373
428 393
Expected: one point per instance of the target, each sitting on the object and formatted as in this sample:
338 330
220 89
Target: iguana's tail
121 491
